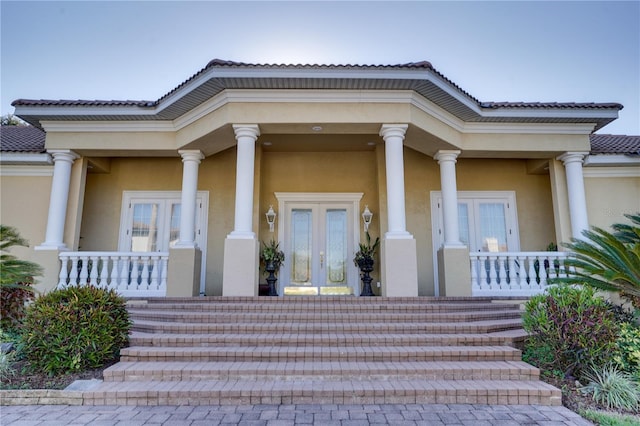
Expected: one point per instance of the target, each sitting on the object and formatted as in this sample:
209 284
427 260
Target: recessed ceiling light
316 128
371 143
267 143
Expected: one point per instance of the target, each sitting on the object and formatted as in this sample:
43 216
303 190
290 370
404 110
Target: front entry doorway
319 233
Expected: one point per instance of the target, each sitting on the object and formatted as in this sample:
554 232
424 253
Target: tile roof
21 139
615 144
220 63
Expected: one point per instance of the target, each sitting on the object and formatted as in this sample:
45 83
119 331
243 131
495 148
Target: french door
150 222
319 245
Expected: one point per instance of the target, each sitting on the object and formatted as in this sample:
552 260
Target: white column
246 135
63 160
393 135
447 162
575 189
190 160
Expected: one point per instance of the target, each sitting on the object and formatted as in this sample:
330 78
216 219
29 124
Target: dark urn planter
366 266
271 279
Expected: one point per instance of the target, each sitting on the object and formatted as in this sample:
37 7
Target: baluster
163 277
84 271
543 272
502 274
123 283
493 276
522 272
513 284
134 283
64 272
483 271
474 275
153 285
533 283
104 272
93 272
73 275
144 282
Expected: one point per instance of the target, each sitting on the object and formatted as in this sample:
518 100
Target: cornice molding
611 172
26 170
107 126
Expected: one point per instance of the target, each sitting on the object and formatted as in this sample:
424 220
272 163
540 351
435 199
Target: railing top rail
114 253
520 253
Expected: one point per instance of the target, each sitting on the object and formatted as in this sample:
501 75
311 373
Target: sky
561 51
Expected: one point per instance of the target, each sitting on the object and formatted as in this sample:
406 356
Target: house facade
169 197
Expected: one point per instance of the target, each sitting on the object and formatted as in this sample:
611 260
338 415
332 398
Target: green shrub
74 329
610 419
627 355
612 388
571 328
15 280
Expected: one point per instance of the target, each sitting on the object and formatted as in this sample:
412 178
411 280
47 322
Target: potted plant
272 258
364 260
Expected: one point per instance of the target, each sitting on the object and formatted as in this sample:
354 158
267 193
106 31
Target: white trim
437 232
612 160
108 126
202 212
605 172
26 170
22 157
285 199
530 128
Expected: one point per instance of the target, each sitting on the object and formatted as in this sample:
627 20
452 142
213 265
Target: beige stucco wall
103 201
24 204
533 198
319 172
356 171
609 198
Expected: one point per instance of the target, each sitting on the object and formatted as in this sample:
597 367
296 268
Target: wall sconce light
271 217
366 217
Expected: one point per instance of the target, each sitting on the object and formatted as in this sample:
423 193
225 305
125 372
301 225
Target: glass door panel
492 226
174 224
301 246
335 247
144 230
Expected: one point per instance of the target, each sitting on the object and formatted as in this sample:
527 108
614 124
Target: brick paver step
328 370
326 339
484 326
313 306
346 353
318 391
296 317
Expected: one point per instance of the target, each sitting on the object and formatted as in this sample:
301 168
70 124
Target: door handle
321 259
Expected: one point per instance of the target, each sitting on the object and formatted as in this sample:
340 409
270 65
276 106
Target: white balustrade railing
129 273
515 274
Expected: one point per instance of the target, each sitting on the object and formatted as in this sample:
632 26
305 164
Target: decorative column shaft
393 135
246 135
447 162
62 160
190 160
575 188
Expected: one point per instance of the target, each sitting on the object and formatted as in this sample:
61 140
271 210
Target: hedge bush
570 329
75 329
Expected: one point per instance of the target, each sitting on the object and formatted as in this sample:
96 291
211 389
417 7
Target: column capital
191 155
63 155
246 130
572 157
446 155
391 130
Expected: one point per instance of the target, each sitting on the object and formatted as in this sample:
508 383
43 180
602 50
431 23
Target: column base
454 271
183 272
49 259
399 267
241 263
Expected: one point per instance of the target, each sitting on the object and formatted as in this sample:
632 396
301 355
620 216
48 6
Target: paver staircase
332 350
